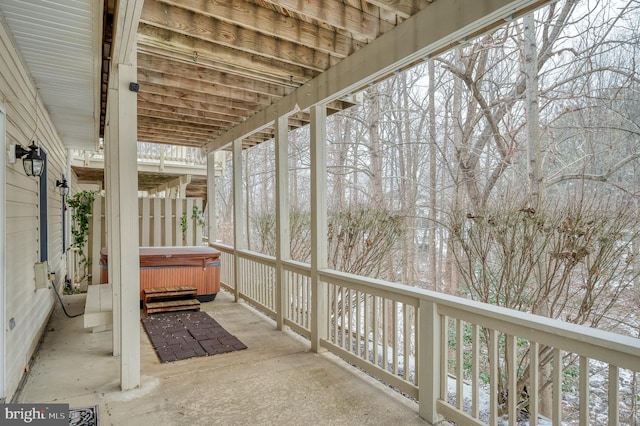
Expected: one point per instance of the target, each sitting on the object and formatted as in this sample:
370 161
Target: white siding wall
29 307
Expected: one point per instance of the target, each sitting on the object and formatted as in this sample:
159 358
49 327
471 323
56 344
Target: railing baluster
367 325
512 389
584 391
534 388
299 301
307 286
557 387
406 340
350 328
385 334
358 323
475 371
375 330
493 377
299 298
459 364
335 314
343 316
394 304
614 381
416 344
444 358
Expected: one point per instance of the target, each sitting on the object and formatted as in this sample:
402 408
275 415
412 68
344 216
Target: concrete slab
275 381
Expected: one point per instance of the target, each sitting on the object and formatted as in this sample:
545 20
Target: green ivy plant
197 215
81 204
184 225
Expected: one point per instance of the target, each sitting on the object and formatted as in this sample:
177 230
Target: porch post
319 296
212 230
3 256
283 249
113 241
238 215
123 159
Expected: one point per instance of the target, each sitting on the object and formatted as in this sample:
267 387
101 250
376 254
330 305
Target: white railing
171 153
452 354
256 281
227 271
297 295
153 153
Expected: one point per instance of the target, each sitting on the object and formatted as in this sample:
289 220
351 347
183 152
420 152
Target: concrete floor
275 381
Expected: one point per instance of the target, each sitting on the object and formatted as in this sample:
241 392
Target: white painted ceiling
60 43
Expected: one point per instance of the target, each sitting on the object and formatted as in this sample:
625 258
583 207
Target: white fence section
162 222
465 361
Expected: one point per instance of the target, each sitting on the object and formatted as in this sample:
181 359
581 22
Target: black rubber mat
182 335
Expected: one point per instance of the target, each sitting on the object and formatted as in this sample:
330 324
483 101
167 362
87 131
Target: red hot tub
195 266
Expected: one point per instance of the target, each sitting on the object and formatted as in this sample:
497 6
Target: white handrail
377 326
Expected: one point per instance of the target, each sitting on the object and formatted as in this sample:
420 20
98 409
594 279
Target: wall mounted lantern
31 160
63 185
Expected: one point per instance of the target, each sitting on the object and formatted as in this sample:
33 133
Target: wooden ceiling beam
188 95
194 139
272 23
210 29
171 139
340 15
187 113
181 118
170 131
170 126
198 86
209 75
195 105
190 49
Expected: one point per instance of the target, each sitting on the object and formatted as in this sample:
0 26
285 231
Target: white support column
318 224
239 240
211 198
112 203
283 244
3 256
428 361
123 159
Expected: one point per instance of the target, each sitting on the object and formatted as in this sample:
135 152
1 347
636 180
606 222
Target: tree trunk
534 170
432 241
375 168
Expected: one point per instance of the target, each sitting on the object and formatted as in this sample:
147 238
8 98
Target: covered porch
422 343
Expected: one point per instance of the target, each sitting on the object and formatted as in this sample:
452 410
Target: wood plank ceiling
207 65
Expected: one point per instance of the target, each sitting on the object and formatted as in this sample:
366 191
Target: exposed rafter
211 71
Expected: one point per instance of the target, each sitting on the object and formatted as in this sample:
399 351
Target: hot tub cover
172 256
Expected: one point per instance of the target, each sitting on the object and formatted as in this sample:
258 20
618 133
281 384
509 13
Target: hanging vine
197 216
81 203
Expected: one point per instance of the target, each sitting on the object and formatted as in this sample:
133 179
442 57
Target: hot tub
195 266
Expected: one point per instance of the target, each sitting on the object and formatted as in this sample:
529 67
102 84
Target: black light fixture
31 160
64 187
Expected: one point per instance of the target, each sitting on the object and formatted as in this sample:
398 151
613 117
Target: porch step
170 299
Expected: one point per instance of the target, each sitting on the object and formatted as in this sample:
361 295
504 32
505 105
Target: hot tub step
172 305
168 299
169 293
